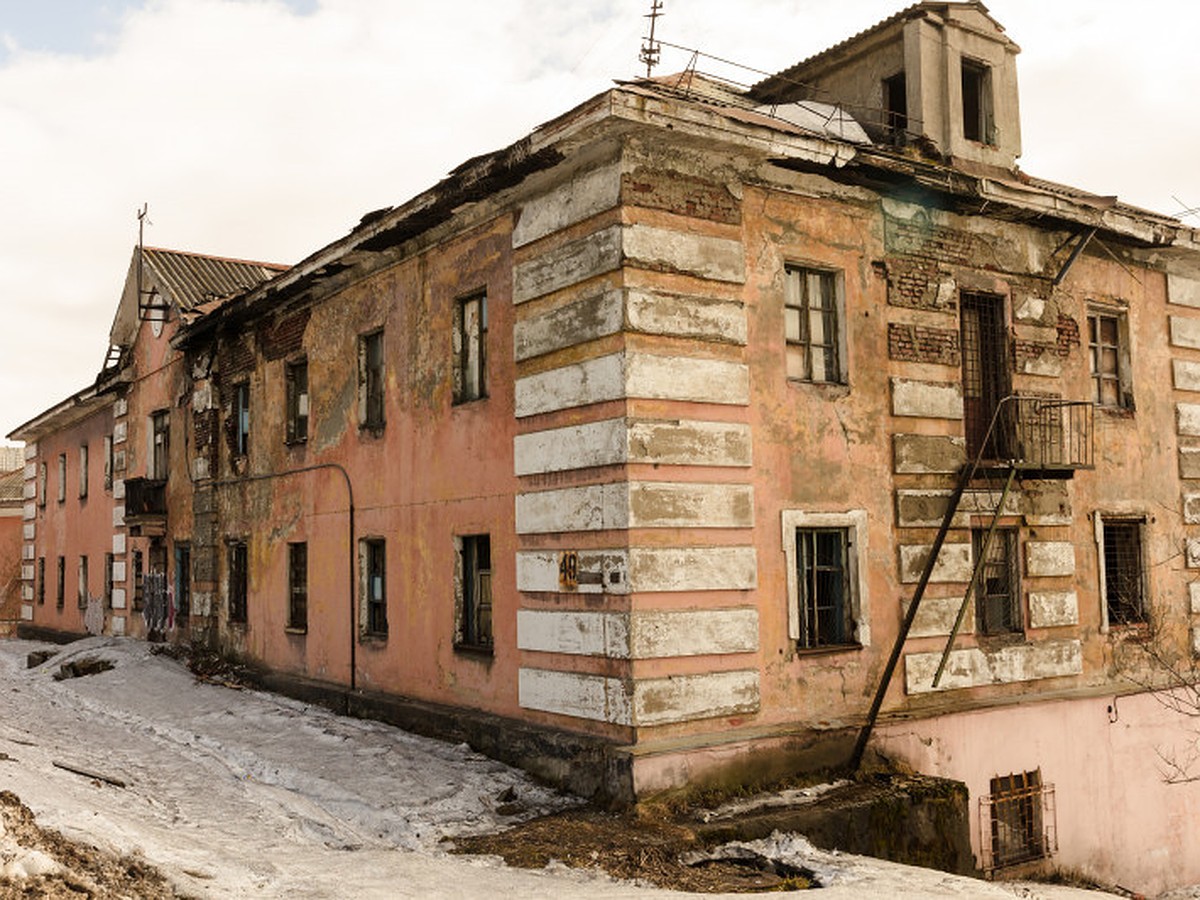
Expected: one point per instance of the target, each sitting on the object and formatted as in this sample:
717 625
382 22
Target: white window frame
854 521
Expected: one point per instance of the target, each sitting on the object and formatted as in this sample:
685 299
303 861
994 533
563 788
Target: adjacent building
624 450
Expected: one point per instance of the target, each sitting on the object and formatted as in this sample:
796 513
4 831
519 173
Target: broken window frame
238 580
852 606
997 595
470 348
978 124
83 471
241 418
373 566
1018 821
297 620
83 582
62 477
802 320
1121 542
183 583
160 445
473 594
295 374
371 373
1109 364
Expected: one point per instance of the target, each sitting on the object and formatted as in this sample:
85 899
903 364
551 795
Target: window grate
997 594
1123 571
822 571
985 373
1018 821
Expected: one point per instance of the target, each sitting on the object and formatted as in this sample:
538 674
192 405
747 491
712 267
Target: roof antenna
650 47
152 308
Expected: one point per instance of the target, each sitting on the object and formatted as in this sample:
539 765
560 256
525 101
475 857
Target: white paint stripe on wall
638 504
973 667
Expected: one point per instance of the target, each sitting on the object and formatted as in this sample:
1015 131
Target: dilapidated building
623 452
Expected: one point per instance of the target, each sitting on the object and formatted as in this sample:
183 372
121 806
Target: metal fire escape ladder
967 475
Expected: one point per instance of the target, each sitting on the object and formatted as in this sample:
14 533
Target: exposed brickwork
913 283
236 356
205 426
681 194
1026 350
927 241
1068 334
918 343
279 338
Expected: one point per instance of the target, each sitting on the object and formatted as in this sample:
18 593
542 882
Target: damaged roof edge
63 413
387 227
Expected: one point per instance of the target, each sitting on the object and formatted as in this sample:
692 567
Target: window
1123 575
475 592
895 104
83 582
83 471
41 581
108 580
370 380
1018 820
296 378
810 322
298 586
241 418
160 445
237 581
997 587
62 477
41 486
985 372
139 581
183 584
1108 359
108 462
374 587
470 349
826 587
977 102
60 586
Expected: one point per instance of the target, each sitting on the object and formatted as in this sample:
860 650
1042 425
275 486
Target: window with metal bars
1124 577
810 324
823 581
374 572
1107 359
985 373
997 589
298 586
1018 820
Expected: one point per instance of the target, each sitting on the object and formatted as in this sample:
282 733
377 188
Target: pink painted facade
638 434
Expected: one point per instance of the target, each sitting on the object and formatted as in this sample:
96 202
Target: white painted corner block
1192 553
26 612
118 598
1053 609
578 384
1185 375
1187 418
578 260
1196 641
598 571
1049 559
1183 291
591 508
1185 332
663 504
973 667
686 316
595 697
587 319
953 563
1194 597
118 625
572 632
601 443
926 399
583 196
713 258
642 634
118 543
642 569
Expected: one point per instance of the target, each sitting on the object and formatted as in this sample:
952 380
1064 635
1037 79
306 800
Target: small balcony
1044 437
146 506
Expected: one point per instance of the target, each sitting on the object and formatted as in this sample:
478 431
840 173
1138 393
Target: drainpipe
352 562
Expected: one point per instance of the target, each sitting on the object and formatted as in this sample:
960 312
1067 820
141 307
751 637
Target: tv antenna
651 49
1185 210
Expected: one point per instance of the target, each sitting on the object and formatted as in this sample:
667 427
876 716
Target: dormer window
977 102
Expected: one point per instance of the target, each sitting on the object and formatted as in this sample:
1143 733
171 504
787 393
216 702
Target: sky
265 129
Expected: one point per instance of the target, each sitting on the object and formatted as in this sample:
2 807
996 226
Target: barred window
822 576
997 590
1018 820
1124 576
374 572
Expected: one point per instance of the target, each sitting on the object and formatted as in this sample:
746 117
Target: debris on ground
82 667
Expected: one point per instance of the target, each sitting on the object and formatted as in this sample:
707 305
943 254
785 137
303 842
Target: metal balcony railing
1043 433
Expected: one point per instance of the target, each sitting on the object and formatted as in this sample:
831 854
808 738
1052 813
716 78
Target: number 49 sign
568 570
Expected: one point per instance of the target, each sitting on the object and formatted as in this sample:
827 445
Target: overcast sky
264 129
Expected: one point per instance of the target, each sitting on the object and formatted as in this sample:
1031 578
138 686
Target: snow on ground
240 793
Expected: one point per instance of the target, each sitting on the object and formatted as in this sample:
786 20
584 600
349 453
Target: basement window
238 580
298 586
1108 358
473 602
1018 821
372 560
1123 581
811 302
977 102
827 606
296 377
470 349
997 589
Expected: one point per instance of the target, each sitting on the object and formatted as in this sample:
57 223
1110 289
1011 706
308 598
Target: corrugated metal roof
193 278
12 484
